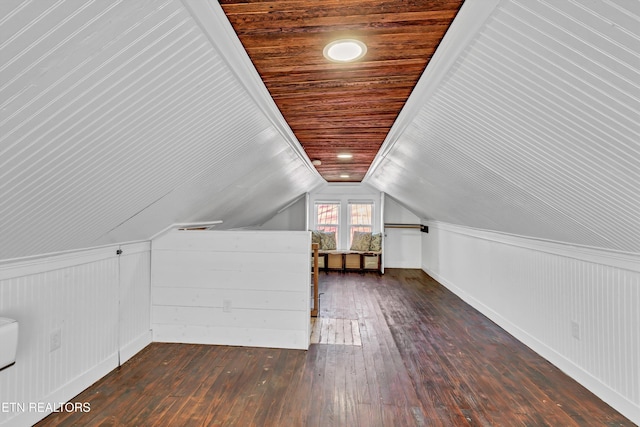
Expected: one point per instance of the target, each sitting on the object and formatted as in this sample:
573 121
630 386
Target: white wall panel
537 290
79 295
201 296
395 212
526 122
121 118
402 246
263 276
134 304
292 218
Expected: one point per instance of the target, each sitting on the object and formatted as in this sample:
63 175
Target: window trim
343 194
350 225
317 225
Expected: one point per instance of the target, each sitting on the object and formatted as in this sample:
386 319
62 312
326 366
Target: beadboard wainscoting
246 288
135 299
80 314
578 307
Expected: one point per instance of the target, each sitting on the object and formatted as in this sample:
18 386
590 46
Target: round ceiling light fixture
345 50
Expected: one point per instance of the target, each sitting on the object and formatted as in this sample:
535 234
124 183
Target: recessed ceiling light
316 162
345 156
345 50
344 175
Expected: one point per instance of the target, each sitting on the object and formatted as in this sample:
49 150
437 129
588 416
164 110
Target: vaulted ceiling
530 126
118 119
334 107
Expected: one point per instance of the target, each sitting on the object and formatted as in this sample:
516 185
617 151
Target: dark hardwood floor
426 359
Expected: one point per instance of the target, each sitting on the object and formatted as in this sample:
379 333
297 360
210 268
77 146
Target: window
343 217
328 218
360 218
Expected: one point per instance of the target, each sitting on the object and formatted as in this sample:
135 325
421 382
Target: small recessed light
344 175
345 156
345 50
316 162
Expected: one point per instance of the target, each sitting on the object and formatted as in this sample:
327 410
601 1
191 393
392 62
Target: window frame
319 226
351 226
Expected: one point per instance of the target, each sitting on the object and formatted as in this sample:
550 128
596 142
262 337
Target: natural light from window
360 218
328 218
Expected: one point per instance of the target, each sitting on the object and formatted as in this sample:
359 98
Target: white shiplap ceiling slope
531 127
119 118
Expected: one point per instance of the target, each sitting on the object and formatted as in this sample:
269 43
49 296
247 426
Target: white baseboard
63 394
132 348
242 337
620 403
81 383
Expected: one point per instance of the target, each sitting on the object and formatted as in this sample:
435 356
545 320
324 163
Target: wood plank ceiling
333 107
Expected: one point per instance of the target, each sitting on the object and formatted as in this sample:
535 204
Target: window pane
328 218
328 213
360 213
360 218
328 228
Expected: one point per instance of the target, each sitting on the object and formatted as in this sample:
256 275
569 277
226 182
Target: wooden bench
338 260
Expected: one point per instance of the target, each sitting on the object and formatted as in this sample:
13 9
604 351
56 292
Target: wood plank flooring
425 359
326 330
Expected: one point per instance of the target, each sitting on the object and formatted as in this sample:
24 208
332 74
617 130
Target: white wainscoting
96 300
538 291
135 299
402 248
263 277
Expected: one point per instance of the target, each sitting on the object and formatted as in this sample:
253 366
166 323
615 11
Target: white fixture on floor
8 341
